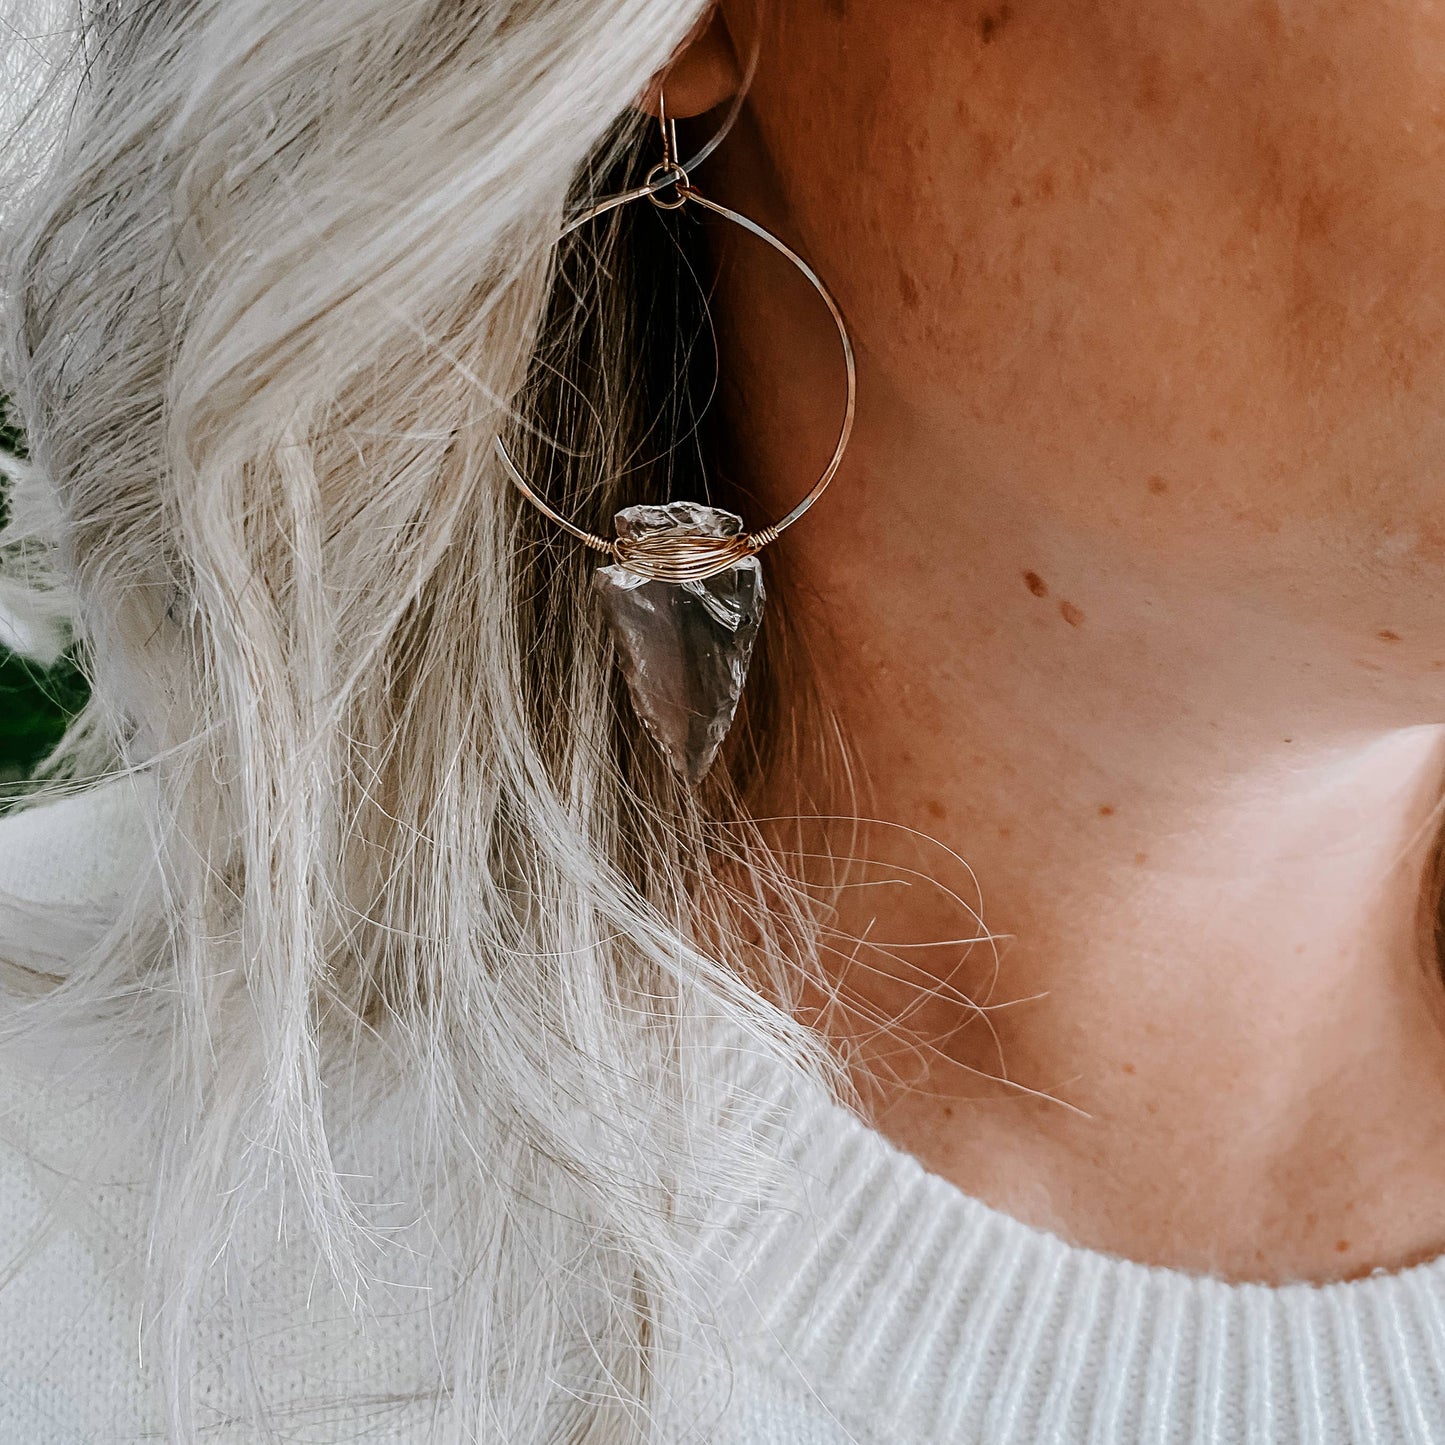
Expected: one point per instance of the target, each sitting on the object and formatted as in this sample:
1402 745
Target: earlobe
702 74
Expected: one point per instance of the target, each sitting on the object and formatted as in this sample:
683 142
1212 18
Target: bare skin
1132 589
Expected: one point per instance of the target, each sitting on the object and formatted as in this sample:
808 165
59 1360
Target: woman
404 1045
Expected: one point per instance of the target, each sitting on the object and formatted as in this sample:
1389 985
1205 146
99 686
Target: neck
1200 847
1155 735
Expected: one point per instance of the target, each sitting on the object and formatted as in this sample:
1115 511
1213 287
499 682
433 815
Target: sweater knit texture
891 1308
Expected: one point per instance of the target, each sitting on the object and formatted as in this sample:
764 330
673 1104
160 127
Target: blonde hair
276 275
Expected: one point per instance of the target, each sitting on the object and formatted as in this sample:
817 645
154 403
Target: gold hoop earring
684 592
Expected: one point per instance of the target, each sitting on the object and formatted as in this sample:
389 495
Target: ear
702 73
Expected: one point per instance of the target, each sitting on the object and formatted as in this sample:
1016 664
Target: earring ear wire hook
669 130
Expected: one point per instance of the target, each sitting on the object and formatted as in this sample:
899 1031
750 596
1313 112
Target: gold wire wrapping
681 556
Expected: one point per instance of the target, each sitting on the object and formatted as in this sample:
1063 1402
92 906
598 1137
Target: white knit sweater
893 1309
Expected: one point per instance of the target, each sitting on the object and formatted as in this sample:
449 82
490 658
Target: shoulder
766 1399
77 848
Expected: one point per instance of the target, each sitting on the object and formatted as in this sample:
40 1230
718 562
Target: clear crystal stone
684 647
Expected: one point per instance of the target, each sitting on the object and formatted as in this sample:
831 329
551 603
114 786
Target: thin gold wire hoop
674 557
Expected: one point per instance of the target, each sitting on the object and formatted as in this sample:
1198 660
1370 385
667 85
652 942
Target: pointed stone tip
691 765
695 769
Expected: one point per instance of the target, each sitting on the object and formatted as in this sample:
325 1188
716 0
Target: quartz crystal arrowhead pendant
684 647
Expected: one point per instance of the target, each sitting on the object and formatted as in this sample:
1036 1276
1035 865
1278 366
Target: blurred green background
35 702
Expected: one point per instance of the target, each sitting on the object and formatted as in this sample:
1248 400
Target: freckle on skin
1036 584
908 289
1106 810
1385 635
936 809
1158 486
1141 859
992 22
1127 1068
1341 1245
1071 614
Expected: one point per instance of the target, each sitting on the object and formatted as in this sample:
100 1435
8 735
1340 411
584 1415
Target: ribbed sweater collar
924 1314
